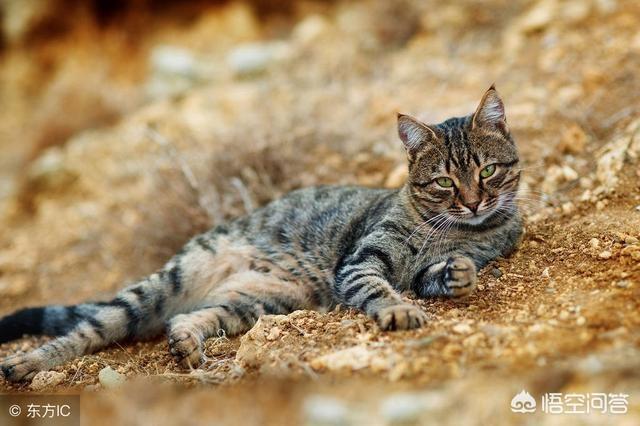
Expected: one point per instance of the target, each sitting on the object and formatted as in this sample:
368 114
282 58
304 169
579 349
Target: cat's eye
488 171
444 182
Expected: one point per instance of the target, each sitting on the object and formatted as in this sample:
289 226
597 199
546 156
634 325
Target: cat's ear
414 133
490 112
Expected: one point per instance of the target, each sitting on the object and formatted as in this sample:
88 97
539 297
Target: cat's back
315 218
319 205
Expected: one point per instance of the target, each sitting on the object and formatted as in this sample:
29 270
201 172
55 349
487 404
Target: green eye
488 171
444 182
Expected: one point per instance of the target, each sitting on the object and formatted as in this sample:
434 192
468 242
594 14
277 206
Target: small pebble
623 284
568 208
581 321
322 410
594 242
564 315
629 239
545 273
605 255
497 273
109 378
274 333
402 408
462 328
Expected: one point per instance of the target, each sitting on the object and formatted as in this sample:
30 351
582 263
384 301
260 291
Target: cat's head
465 169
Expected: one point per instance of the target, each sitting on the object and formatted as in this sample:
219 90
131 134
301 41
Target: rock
322 410
631 250
568 207
174 70
173 60
254 350
613 155
545 273
569 174
109 378
623 284
310 29
581 321
46 380
462 328
538 17
630 239
254 58
274 333
402 408
594 243
576 10
564 315
354 358
606 254
556 176
496 272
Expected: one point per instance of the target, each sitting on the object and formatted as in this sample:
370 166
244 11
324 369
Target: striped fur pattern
314 249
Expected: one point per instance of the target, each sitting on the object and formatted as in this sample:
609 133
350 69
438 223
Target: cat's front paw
186 348
22 367
400 317
460 276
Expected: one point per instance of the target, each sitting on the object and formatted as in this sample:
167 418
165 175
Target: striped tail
24 321
138 311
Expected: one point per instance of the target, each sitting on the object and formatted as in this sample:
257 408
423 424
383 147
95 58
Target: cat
316 248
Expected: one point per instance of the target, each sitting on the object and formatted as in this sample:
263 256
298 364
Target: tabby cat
314 249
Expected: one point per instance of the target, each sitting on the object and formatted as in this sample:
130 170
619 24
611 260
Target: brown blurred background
128 126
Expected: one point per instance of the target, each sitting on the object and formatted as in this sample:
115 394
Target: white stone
255 58
109 378
402 408
323 410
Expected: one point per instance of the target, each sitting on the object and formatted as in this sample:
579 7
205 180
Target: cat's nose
473 206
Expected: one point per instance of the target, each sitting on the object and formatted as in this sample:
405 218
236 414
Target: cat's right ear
414 133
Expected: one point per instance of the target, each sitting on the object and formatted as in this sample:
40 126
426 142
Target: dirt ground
114 157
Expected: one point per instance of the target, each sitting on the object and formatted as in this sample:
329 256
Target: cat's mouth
481 215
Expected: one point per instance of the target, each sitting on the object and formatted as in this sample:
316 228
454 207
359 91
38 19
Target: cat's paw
401 317
22 367
186 348
460 276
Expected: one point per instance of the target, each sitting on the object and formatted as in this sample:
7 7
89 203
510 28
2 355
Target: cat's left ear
490 112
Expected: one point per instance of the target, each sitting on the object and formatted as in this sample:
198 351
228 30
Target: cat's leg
362 282
454 277
233 308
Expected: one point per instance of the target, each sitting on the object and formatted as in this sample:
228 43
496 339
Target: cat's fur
313 249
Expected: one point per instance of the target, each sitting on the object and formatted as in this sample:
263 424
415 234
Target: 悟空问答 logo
523 403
